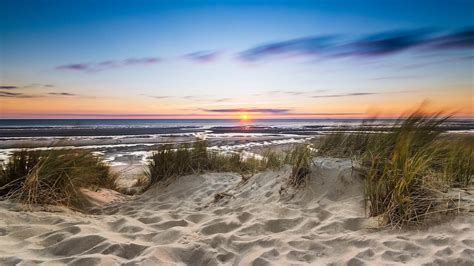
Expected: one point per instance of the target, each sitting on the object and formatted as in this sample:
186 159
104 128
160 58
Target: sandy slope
252 223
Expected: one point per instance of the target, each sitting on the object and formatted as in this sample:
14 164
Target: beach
131 141
216 219
224 218
236 132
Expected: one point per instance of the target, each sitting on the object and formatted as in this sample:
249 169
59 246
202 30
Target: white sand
253 223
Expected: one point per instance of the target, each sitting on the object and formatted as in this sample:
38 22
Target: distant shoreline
131 127
130 141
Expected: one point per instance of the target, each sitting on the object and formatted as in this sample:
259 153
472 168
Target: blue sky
224 58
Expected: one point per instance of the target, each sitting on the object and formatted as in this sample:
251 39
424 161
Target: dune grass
13 173
53 177
272 159
172 161
405 165
456 160
299 157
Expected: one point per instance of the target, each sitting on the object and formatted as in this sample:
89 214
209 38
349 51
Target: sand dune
213 219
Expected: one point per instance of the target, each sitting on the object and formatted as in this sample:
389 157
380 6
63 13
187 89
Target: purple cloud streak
374 45
248 110
62 94
7 94
110 64
8 87
203 56
345 95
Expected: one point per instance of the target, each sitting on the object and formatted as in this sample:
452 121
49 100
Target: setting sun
244 117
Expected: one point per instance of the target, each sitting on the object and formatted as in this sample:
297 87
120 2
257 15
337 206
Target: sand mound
215 219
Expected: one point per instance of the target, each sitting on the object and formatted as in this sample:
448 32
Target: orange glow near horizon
121 108
172 60
244 117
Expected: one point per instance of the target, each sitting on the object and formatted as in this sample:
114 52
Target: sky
234 59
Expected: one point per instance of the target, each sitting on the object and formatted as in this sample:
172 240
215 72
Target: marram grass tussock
406 165
172 161
53 177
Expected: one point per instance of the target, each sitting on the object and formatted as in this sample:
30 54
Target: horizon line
219 118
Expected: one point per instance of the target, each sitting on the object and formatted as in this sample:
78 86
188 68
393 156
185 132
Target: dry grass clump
405 165
170 161
53 177
173 161
456 160
142 181
272 159
341 144
18 166
299 157
398 187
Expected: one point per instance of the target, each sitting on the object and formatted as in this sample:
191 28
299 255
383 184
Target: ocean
130 141
25 123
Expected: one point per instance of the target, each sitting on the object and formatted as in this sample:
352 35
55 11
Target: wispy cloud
8 94
461 39
156 96
159 97
185 97
468 58
248 110
345 95
222 100
293 114
62 94
374 45
78 67
278 112
110 64
130 115
33 85
395 77
384 43
203 56
189 97
292 93
308 45
8 91
183 115
8 87
141 61
12 94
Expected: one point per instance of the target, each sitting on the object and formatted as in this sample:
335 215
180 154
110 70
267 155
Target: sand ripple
257 223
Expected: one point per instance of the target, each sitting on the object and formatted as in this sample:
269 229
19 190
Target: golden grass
405 165
456 160
53 176
299 157
172 161
13 173
142 181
